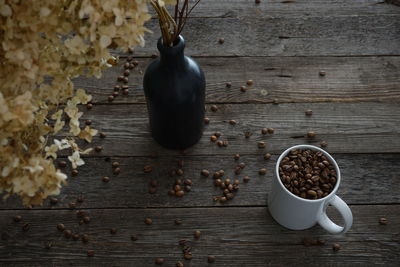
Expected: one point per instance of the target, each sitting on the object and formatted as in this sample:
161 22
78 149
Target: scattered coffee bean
267 156
89 106
323 144
178 221
98 148
102 135
213 138
179 172
322 73
246 179
221 40
205 173
134 237
88 122
60 227
125 80
85 238
130 51
117 88
115 164
243 88
125 91
264 131
53 200
232 122
249 82
152 190
210 259
228 85
247 134
72 205
383 221
147 169
62 164
135 63
90 253
270 130
126 73
126 65
242 165
179 264
17 218
206 120
120 78
214 108
67 233
74 172
258 1
262 171
75 236
311 134
148 221
110 98
225 143
117 171
236 156
113 231
223 199
188 256
197 234
220 143
308 112
261 144
115 94
180 193
336 247
159 261
105 179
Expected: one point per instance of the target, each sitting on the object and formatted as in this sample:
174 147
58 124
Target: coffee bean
180 193
308 112
89 106
210 259
98 148
147 169
213 138
125 80
67 233
72 205
312 193
74 172
126 73
80 213
261 144
225 143
247 134
383 221
120 78
228 85
106 179
159 261
232 122
134 237
336 247
113 231
311 134
267 156
243 89
236 156
188 182
264 131
179 264
179 172
221 40
110 98
17 218
75 236
220 143
197 234
246 179
102 135
258 1
178 182
322 73
323 144
270 130
60 227
262 171
62 164
85 238
205 173
188 188
249 82
177 188
214 108
178 221
217 182
126 65
117 171
171 192
86 219
90 253
206 120
148 221
222 199
188 256
152 190
242 165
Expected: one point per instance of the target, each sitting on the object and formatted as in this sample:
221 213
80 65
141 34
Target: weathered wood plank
236 236
287 79
289 36
347 127
244 8
367 179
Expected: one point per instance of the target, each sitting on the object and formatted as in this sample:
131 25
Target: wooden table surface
282 46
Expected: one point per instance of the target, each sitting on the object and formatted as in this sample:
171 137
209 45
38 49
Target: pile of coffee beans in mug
308 174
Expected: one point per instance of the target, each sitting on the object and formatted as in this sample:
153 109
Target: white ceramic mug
297 213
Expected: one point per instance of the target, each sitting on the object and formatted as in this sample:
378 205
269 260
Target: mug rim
311 147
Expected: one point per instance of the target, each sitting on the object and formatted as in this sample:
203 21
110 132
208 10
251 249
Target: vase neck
172 55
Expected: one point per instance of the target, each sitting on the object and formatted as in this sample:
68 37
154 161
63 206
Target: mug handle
343 209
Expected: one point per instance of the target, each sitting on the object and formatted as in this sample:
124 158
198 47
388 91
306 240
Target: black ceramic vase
174 86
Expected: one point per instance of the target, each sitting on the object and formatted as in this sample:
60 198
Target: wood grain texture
236 236
347 127
367 179
247 8
287 36
286 79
